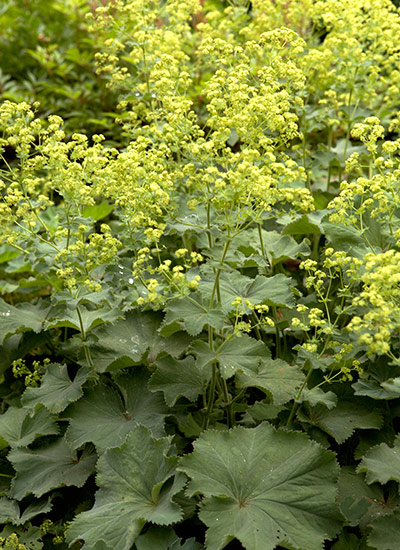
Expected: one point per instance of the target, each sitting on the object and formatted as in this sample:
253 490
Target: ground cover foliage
199 275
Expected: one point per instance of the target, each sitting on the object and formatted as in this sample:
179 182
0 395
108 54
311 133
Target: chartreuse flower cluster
379 302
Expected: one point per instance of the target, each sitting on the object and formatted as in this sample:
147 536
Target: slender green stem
229 416
277 333
296 401
218 273
86 348
211 395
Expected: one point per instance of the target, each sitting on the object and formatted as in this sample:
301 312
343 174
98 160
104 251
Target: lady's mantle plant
199 322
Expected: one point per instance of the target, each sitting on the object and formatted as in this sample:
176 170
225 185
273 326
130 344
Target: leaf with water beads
21 318
263 487
106 415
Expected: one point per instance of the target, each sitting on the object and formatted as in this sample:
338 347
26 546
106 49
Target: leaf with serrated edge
193 315
357 501
104 419
19 427
25 316
56 390
382 463
137 482
10 511
129 337
178 379
157 537
385 533
316 396
40 470
274 376
263 487
66 317
341 421
273 291
237 353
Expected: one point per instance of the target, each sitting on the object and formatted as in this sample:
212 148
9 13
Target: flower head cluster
378 302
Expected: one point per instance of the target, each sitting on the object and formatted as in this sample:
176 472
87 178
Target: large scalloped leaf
178 379
137 482
40 470
264 487
279 247
21 318
56 390
10 510
193 314
341 421
273 291
103 418
164 538
385 532
129 338
274 376
237 353
382 463
19 427
65 316
358 501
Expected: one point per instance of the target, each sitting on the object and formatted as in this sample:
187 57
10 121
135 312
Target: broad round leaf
264 487
137 482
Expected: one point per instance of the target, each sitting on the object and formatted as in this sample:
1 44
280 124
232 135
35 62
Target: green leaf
382 463
349 239
281 247
392 386
348 541
263 487
21 318
341 421
63 316
381 381
137 482
105 416
193 314
10 511
7 253
178 379
56 390
260 411
316 396
274 376
356 499
301 226
164 538
272 291
98 211
41 470
372 388
19 427
237 353
130 337
157 537
385 533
